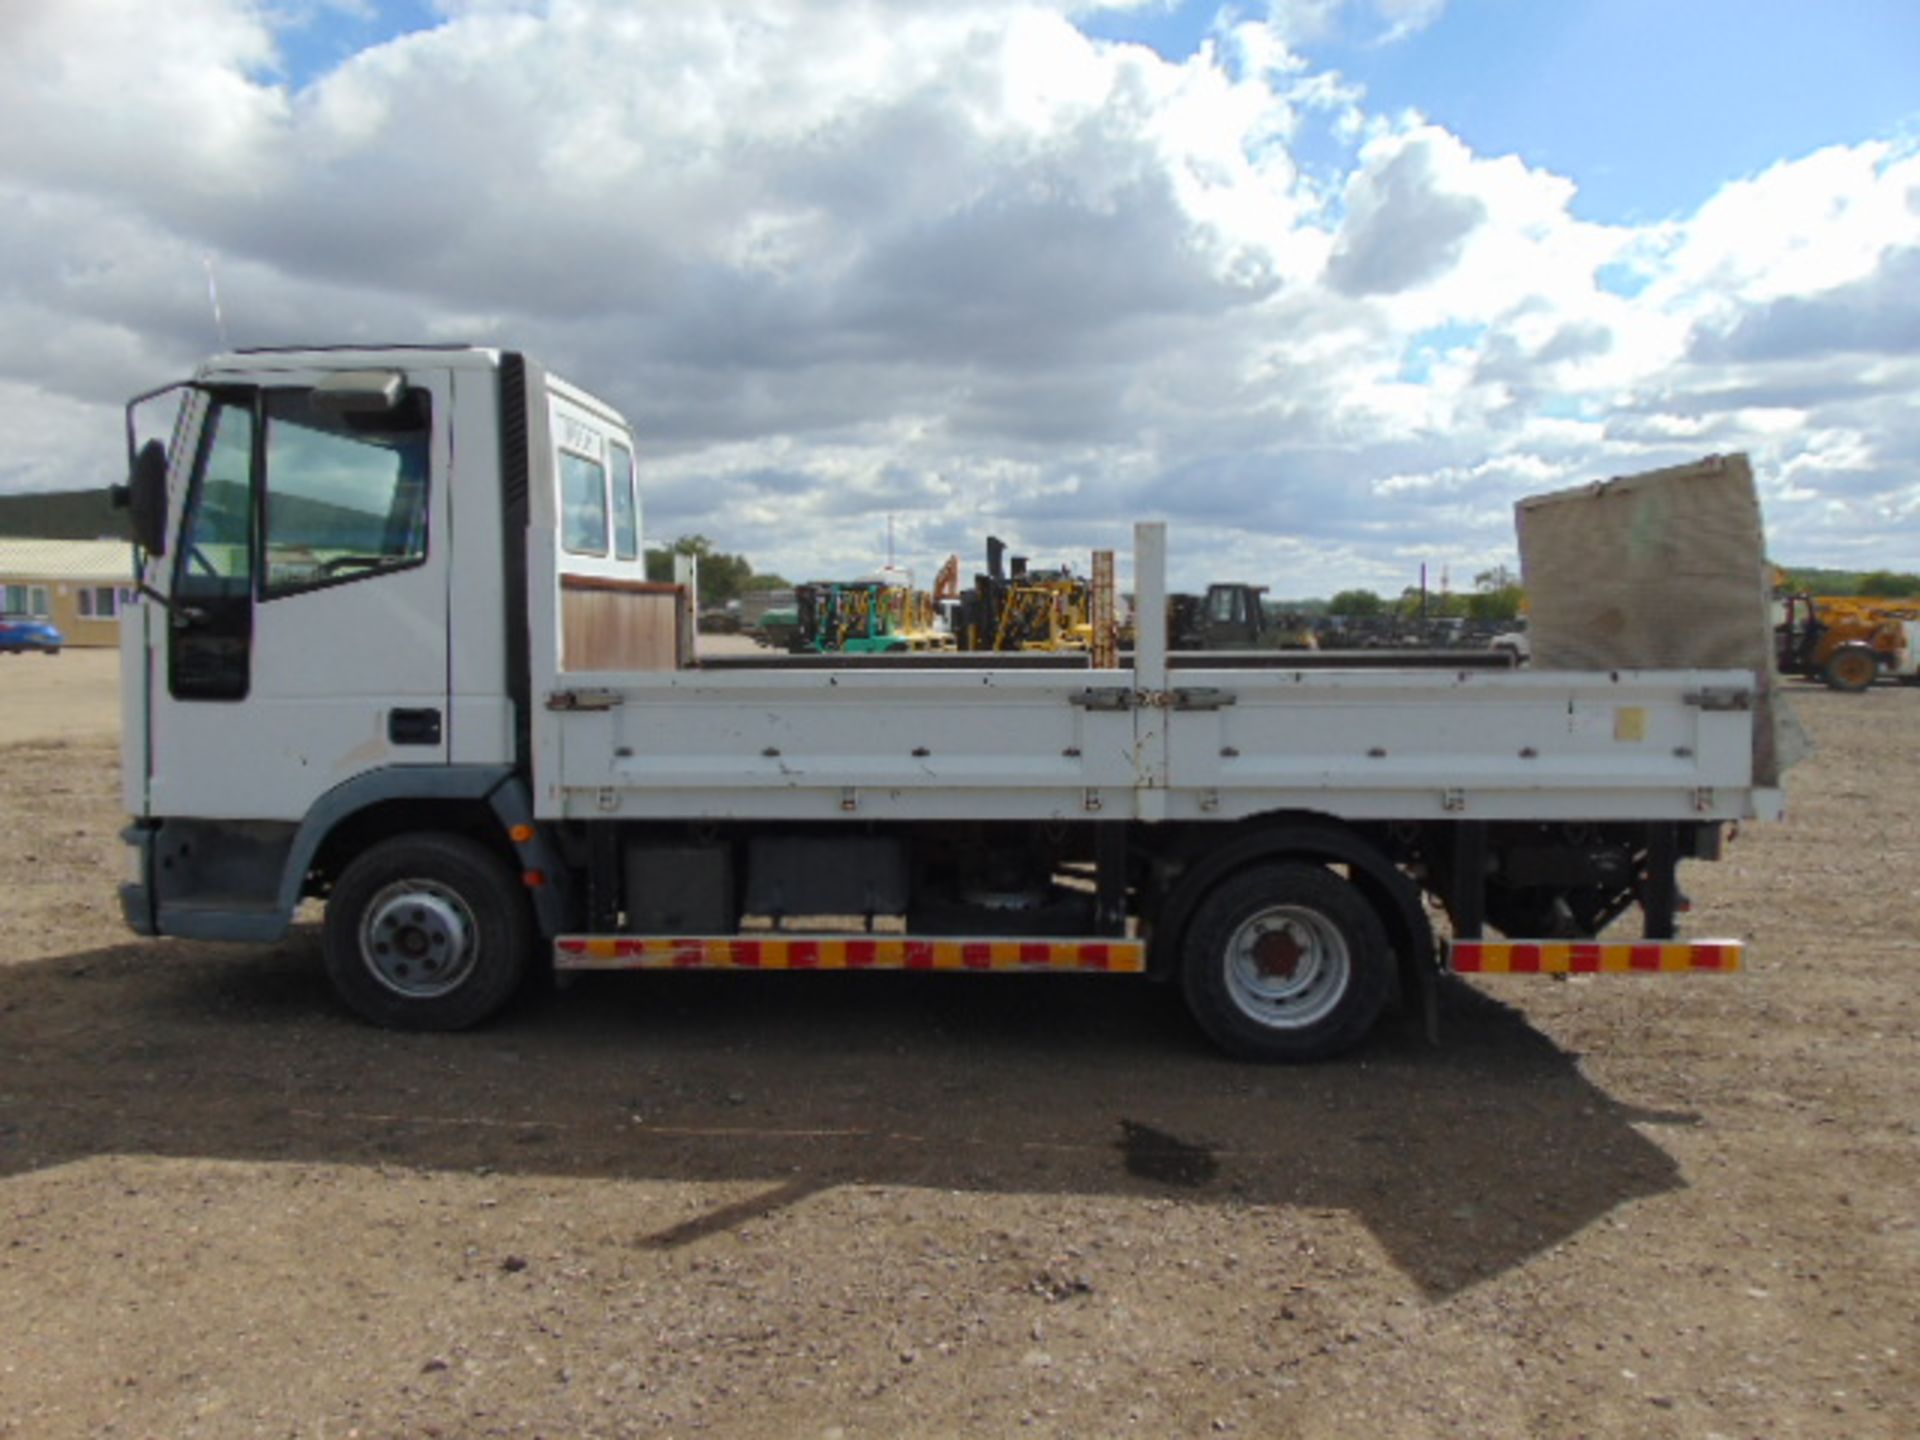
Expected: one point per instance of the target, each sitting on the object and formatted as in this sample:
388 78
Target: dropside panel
899 744
1479 744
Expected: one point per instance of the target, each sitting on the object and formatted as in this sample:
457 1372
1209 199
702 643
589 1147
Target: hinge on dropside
1203 697
584 700
1453 800
1195 697
1105 697
607 799
1703 799
1719 697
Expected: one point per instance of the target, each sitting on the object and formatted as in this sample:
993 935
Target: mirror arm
190 614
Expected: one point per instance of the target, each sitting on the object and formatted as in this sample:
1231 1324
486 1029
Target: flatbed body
399 653
1220 745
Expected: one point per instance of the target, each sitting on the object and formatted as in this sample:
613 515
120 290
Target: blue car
22 632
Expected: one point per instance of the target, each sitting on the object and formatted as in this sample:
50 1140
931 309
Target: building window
15 600
37 601
98 602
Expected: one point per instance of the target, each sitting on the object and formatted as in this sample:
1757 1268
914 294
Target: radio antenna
213 298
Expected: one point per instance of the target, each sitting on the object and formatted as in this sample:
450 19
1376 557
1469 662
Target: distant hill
62 515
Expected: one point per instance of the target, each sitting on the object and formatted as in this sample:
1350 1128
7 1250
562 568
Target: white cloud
1374 22
957 262
1407 17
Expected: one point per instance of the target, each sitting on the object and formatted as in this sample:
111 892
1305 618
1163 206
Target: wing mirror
144 498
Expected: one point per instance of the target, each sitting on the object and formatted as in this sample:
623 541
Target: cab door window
346 495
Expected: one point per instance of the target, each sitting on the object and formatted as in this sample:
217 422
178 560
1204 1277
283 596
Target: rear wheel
1285 962
427 932
1852 668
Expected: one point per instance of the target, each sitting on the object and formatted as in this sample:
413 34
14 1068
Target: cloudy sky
1326 284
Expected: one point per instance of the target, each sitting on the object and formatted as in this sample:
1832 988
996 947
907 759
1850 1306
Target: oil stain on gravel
1155 1155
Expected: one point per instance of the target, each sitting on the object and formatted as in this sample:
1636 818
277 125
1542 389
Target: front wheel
427 932
1285 962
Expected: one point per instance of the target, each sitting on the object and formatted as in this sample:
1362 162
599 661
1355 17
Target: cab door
304 636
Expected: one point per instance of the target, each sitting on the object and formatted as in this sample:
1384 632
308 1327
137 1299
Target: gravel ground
857 1205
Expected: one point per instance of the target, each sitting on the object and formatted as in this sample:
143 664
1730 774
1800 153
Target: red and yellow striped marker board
1593 957
839 952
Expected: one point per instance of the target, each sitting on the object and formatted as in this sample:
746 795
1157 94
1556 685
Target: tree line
1496 596
723 576
1888 584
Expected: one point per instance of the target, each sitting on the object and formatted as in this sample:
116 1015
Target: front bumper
136 894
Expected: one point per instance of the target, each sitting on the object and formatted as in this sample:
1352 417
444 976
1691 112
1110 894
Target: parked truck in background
398 654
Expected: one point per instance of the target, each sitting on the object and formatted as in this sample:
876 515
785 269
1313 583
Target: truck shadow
1462 1160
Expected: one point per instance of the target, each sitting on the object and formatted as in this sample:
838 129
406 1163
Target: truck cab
335 569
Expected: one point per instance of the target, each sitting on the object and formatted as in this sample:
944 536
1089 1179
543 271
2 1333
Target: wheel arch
481 802
1316 839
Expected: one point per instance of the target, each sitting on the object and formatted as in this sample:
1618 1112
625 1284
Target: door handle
413 727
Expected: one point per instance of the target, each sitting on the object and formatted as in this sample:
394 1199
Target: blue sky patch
1622 278
1427 346
323 37
1649 106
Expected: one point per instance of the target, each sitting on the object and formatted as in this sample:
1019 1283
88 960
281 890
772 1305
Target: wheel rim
419 939
1288 966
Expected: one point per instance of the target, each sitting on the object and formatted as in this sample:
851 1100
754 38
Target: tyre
1852 668
427 932
1285 962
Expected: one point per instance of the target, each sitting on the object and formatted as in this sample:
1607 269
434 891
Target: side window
626 515
346 495
216 562
208 654
583 504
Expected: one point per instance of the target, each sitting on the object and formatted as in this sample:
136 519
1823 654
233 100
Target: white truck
398 654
